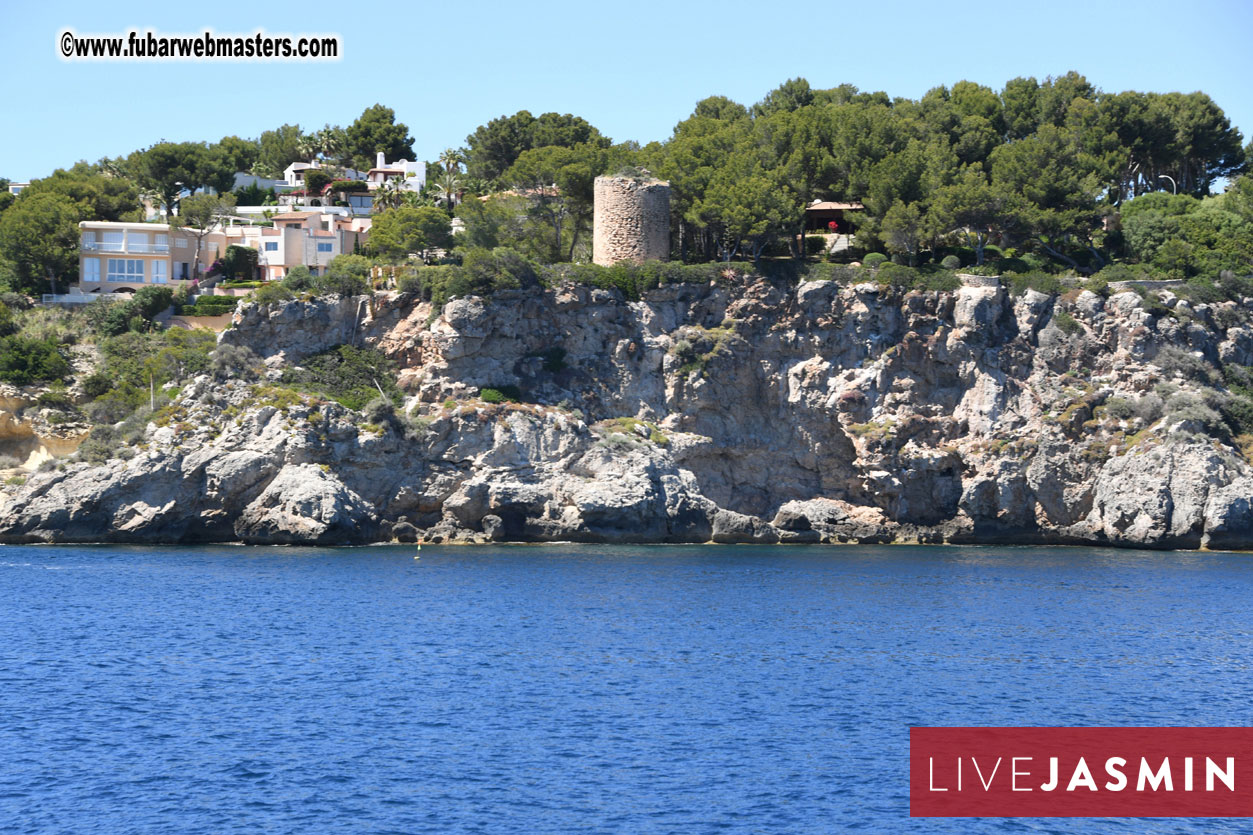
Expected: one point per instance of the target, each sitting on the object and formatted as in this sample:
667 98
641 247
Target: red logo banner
1081 772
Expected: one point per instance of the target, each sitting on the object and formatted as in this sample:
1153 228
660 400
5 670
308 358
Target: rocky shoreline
744 411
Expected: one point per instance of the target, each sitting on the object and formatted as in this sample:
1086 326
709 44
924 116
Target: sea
578 688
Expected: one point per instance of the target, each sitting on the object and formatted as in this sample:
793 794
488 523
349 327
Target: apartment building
122 257
309 238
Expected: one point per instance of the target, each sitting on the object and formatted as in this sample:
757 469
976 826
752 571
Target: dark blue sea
535 689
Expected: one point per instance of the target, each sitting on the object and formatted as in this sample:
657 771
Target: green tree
903 230
278 149
974 208
1058 196
167 168
199 214
376 129
99 196
1020 107
788 97
398 232
39 237
494 147
558 183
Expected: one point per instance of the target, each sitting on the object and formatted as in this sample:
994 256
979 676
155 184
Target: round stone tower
632 220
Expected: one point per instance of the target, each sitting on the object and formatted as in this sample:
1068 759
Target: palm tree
388 195
448 185
451 159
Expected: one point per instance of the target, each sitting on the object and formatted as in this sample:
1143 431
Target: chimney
380 160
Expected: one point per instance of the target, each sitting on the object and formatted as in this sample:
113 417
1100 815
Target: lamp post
1173 188
179 199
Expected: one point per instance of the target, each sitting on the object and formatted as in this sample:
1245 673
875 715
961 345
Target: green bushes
1041 282
24 361
350 376
271 294
1066 323
902 278
298 279
951 262
209 306
501 394
137 364
874 259
346 275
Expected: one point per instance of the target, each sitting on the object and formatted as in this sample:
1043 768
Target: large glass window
271 246
112 242
159 273
126 269
91 270
325 247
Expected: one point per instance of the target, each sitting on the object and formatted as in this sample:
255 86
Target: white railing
148 248
102 246
80 298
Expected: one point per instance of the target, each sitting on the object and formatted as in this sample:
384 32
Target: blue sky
633 70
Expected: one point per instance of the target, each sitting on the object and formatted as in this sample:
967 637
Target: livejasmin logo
1080 772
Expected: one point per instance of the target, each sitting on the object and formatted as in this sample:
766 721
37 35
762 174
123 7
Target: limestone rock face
304 504
738 412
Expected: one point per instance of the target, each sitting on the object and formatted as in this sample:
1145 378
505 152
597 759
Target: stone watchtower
632 220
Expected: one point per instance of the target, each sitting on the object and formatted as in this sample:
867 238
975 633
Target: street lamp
179 199
1173 188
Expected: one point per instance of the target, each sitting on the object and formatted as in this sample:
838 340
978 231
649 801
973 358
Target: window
325 247
271 246
137 242
126 269
162 243
91 269
159 273
182 269
112 242
180 243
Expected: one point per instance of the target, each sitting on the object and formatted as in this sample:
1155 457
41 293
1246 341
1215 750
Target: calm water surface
576 688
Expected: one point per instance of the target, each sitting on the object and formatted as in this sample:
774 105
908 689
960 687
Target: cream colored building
123 257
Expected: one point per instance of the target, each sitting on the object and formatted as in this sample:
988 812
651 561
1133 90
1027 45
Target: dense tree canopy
376 129
494 147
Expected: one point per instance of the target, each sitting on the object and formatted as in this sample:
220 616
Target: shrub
501 394
951 262
236 361
1177 361
149 301
350 376
379 410
1148 408
270 294
874 259
815 245
1186 407
24 361
97 383
346 275
54 400
298 279
100 445
1119 408
1066 323
1041 282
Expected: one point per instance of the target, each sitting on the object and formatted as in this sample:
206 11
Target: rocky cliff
740 412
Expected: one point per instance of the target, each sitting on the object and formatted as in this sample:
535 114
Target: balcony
134 248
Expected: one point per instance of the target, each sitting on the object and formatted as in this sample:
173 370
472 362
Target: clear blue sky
633 70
